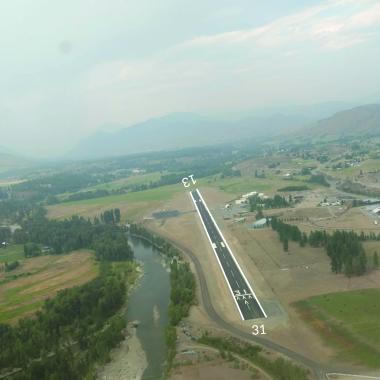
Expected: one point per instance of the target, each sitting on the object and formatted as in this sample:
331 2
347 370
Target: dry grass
24 290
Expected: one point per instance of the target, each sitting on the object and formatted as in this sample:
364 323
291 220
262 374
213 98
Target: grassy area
120 183
366 166
157 194
349 321
24 290
239 185
12 253
117 184
131 204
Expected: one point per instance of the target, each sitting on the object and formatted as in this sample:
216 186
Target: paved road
248 305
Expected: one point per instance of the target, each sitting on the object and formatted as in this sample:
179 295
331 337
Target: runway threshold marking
237 295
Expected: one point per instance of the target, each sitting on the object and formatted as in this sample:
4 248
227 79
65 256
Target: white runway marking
231 253
211 236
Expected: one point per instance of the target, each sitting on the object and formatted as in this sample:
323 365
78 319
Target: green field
350 321
131 204
157 194
120 183
366 166
12 253
117 184
239 185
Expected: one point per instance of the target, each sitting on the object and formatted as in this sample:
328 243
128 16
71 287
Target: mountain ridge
182 130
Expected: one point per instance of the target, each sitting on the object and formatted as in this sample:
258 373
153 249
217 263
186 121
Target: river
148 304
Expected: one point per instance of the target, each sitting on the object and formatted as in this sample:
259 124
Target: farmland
239 185
131 204
24 290
11 253
119 184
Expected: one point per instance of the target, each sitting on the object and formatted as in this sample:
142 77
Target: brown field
40 278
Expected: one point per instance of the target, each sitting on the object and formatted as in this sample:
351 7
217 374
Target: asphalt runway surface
245 299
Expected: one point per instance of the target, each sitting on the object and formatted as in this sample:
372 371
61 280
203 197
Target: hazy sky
68 67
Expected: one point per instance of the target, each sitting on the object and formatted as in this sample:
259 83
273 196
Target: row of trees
278 201
344 248
5 234
288 232
71 332
319 179
108 239
182 296
111 216
346 253
11 265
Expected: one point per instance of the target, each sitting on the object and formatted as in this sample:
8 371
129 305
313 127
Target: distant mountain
310 112
180 130
363 120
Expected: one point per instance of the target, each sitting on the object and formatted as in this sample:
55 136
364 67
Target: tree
117 215
285 244
5 234
31 250
259 215
375 260
20 236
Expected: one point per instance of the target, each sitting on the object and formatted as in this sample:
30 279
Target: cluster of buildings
244 199
242 202
334 203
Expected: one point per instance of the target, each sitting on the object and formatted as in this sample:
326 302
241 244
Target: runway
245 299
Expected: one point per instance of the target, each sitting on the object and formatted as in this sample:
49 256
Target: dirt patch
205 363
128 361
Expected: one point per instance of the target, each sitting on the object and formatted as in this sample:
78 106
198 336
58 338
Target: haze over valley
190 190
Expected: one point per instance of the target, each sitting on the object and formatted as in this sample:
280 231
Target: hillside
363 120
180 130
11 163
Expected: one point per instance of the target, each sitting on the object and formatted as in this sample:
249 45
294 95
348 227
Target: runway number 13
186 180
258 330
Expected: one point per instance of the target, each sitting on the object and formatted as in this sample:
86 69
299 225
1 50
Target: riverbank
128 361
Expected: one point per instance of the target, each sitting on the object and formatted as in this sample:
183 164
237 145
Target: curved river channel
148 303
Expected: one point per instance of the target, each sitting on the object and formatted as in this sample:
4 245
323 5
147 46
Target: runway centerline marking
225 257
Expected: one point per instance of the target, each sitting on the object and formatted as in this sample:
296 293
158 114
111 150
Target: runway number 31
186 180
258 330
